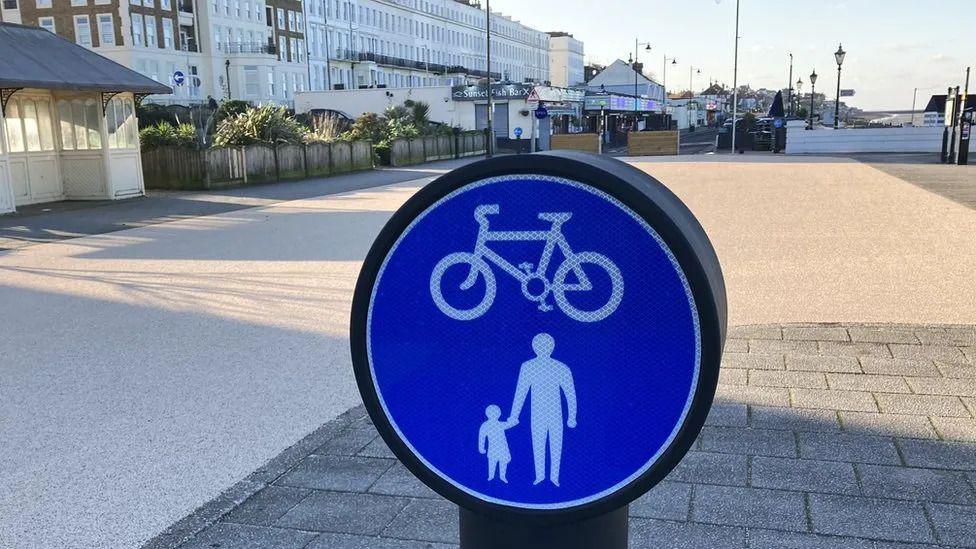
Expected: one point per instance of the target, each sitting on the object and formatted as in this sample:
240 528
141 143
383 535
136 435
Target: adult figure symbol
546 381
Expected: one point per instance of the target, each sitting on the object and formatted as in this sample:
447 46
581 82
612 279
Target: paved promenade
822 436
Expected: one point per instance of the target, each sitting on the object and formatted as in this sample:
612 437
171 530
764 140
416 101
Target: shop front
615 115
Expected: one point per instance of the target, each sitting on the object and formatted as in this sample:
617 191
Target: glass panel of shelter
30 125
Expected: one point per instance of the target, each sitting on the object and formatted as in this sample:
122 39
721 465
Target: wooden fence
589 142
652 143
404 152
177 168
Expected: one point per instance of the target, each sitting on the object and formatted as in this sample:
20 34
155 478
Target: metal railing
247 47
391 61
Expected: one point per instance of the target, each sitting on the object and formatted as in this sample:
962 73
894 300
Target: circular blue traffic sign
518 131
541 112
540 336
179 78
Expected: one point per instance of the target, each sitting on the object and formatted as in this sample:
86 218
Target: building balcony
390 61
247 48
185 6
189 45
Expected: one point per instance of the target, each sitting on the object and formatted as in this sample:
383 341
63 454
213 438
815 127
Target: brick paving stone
955 524
884 519
848 447
925 405
727 414
753 361
733 376
794 419
868 382
938 454
970 353
399 481
767 347
266 506
711 468
832 477
342 473
377 448
956 370
761 442
341 512
823 364
350 541
899 366
761 396
815 333
774 539
245 536
942 386
647 533
667 500
350 441
955 428
764 331
756 507
970 403
426 520
901 425
870 334
854 401
768 378
838 348
915 483
947 336
926 352
736 346
899 545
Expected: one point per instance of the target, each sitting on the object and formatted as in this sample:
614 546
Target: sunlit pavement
146 370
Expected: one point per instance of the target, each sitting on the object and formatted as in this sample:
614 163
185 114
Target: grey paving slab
757 507
775 361
736 346
350 541
853 401
762 442
816 333
926 352
848 447
377 448
965 387
794 419
955 428
647 533
667 500
874 518
956 370
916 484
351 441
954 524
881 334
938 454
760 396
762 331
923 405
875 423
766 346
245 536
398 481
728 415
266 506
733 376
434 520
832 477
803 363
341 473
711 468
899 366
868 382
343 512
772 378
773 539
947 336
841 349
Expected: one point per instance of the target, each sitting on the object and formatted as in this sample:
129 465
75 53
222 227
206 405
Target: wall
357 102
867 140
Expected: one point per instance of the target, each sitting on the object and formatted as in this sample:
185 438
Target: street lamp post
813 92
839 57
799 96
647 47
674 61
735 76
691 79
490 144
789 89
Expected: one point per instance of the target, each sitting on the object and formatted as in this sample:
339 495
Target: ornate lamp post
799 96
839 57
647 47
674 61
813 92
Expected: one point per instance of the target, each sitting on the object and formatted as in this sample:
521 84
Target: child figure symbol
492 441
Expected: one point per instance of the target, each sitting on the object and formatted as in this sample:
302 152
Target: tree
266 124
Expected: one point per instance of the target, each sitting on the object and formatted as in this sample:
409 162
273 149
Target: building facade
565 60
267 50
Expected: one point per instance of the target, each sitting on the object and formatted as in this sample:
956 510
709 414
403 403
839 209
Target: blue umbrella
776 110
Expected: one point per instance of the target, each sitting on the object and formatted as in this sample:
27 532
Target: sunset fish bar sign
538 338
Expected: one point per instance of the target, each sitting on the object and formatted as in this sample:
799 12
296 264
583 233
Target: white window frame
168 40
87 25
100 19
50 20
138 30
165 4
152 33
42 4
77 3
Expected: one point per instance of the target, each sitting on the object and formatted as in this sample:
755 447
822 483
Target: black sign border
662 210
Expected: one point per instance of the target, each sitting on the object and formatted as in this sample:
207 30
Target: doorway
34 167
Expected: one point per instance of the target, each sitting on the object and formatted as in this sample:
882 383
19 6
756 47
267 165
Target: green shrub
266 124
382 153
370 127
165 134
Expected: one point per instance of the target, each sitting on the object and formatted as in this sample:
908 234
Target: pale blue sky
894 45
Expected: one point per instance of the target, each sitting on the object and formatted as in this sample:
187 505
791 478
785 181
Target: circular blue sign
541 112
518 131
178 77
778 123
540 340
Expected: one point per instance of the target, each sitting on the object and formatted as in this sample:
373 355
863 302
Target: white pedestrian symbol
545 381
535 285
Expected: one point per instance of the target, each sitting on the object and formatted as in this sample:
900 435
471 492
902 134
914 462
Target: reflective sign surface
533 342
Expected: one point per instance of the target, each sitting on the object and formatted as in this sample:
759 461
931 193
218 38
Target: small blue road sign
518 132
777 123
541 112
539 339
179 78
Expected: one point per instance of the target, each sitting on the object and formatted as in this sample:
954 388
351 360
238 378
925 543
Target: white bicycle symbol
535 286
